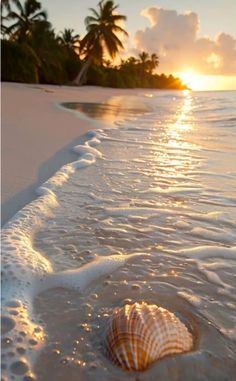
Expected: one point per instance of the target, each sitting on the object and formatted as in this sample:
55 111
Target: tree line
33 52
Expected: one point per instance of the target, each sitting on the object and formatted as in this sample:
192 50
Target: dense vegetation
32 52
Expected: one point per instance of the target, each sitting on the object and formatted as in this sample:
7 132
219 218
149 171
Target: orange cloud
174 38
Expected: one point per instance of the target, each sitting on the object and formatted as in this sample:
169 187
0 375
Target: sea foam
26 272
156 186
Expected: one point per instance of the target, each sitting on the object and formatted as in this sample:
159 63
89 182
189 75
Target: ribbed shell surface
140 334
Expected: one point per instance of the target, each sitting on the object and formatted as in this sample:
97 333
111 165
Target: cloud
174 38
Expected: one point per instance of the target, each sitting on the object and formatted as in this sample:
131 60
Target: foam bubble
7 324
19 367
21 350
6 342
14 304
26 270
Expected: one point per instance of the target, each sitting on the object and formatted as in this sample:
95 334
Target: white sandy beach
160 185
37 136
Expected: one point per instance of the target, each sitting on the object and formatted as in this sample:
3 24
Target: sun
202 82
193 80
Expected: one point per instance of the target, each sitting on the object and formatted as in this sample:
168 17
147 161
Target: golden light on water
184 119
176 132
201 82
175 149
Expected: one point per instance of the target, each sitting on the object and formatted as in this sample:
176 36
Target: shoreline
38 134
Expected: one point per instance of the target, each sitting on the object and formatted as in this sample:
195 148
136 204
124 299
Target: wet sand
37 136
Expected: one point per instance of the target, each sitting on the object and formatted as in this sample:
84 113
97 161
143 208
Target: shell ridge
141 333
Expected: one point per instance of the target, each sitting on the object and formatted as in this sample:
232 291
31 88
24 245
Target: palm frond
102 27
95 13
14 16
31 6
39 15
18 5
109 7
27 15
117 28
12 28
110 45
90 19
116 18
92 27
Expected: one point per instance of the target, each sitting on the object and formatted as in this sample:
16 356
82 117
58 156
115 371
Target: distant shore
37 135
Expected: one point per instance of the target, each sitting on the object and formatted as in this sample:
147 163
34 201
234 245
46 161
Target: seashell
140 333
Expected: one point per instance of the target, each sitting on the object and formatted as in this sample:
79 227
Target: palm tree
28 14
144 62
69 39
101 37
143 57
5 5
154 62
132 60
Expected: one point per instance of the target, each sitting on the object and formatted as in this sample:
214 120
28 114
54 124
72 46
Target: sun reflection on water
179 128
173 156
184 121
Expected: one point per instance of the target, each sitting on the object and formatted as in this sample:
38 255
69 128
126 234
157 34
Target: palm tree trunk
79 79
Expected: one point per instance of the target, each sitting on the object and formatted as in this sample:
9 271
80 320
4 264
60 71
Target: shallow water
164 185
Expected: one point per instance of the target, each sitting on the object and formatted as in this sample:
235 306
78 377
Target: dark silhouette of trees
24 18
153 62
32 52
101 37
5 7
69 39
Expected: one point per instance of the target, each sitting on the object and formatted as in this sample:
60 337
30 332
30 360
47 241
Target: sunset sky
194 39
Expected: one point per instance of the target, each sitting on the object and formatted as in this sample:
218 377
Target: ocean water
146 213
